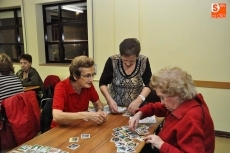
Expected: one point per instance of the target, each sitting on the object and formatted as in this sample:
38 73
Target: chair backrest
23 115
46 115
49 85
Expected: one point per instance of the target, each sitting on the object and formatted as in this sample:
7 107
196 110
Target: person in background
72 95
29 75
10 84
188 126
128 74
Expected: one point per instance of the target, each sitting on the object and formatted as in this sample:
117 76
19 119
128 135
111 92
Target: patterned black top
125 88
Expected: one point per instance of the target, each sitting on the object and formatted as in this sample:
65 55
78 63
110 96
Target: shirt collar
184 107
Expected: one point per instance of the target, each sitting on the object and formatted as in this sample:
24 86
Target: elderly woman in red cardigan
188 126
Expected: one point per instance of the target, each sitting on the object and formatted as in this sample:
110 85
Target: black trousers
148 149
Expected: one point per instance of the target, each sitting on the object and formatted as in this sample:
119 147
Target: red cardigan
186 129
23 114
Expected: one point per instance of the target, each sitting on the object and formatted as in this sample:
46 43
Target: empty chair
49 85
46 115
46 103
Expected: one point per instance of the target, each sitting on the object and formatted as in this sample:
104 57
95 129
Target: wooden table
99 140
30 88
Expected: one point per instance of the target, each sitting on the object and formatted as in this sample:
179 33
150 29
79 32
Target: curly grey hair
174 82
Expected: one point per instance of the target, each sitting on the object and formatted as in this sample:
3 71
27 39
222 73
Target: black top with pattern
125 88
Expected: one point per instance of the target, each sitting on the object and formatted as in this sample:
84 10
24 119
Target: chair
20 119
46 116
46 103
49 84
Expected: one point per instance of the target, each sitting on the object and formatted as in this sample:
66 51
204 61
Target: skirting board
222 134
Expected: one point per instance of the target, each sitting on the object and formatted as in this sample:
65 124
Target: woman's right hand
98 117
113 106
133 122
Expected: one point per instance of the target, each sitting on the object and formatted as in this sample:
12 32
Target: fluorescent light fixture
72 9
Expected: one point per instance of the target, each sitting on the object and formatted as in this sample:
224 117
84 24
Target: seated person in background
28 75
128 74
10 84
188 126
72 95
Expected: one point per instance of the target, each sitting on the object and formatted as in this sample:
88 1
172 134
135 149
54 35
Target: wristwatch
142 97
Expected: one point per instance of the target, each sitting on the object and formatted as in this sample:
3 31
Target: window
11 33
65 31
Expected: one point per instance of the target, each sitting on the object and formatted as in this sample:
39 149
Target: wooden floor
222 145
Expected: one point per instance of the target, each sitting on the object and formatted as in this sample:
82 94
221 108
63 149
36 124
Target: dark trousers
148 149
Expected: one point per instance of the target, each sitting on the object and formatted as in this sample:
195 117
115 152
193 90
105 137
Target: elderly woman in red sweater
188 126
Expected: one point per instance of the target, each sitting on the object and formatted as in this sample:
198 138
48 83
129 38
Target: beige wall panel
175 34
182 33
9 3
126 21
103 34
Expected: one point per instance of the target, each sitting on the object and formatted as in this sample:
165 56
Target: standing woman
10 84
188 126
125 78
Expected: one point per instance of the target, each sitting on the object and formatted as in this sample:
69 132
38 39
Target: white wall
177 33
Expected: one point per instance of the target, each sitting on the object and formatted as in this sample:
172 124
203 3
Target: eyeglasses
89 76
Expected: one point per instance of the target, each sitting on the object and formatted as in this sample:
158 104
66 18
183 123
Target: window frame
60 24
17 43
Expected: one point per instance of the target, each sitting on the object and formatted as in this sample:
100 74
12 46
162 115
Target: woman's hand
113 106
133 122
155 141
98 117
133 106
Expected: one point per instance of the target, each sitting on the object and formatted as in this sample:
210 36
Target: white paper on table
151 119
107 110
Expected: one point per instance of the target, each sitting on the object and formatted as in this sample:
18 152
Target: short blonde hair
174 82
6 65
77 63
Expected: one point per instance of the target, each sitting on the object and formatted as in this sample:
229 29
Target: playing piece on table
125 127
133 135
115 139
121 149
131 144
130 150
63 152
24 147
74 139
139 132
116 133
44 149
54 150
121 109
127 114
126 139
141 138
85 136
117 129
73 146
120 144
15 151
35 147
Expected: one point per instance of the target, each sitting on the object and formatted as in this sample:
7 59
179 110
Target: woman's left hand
133 106
155 141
